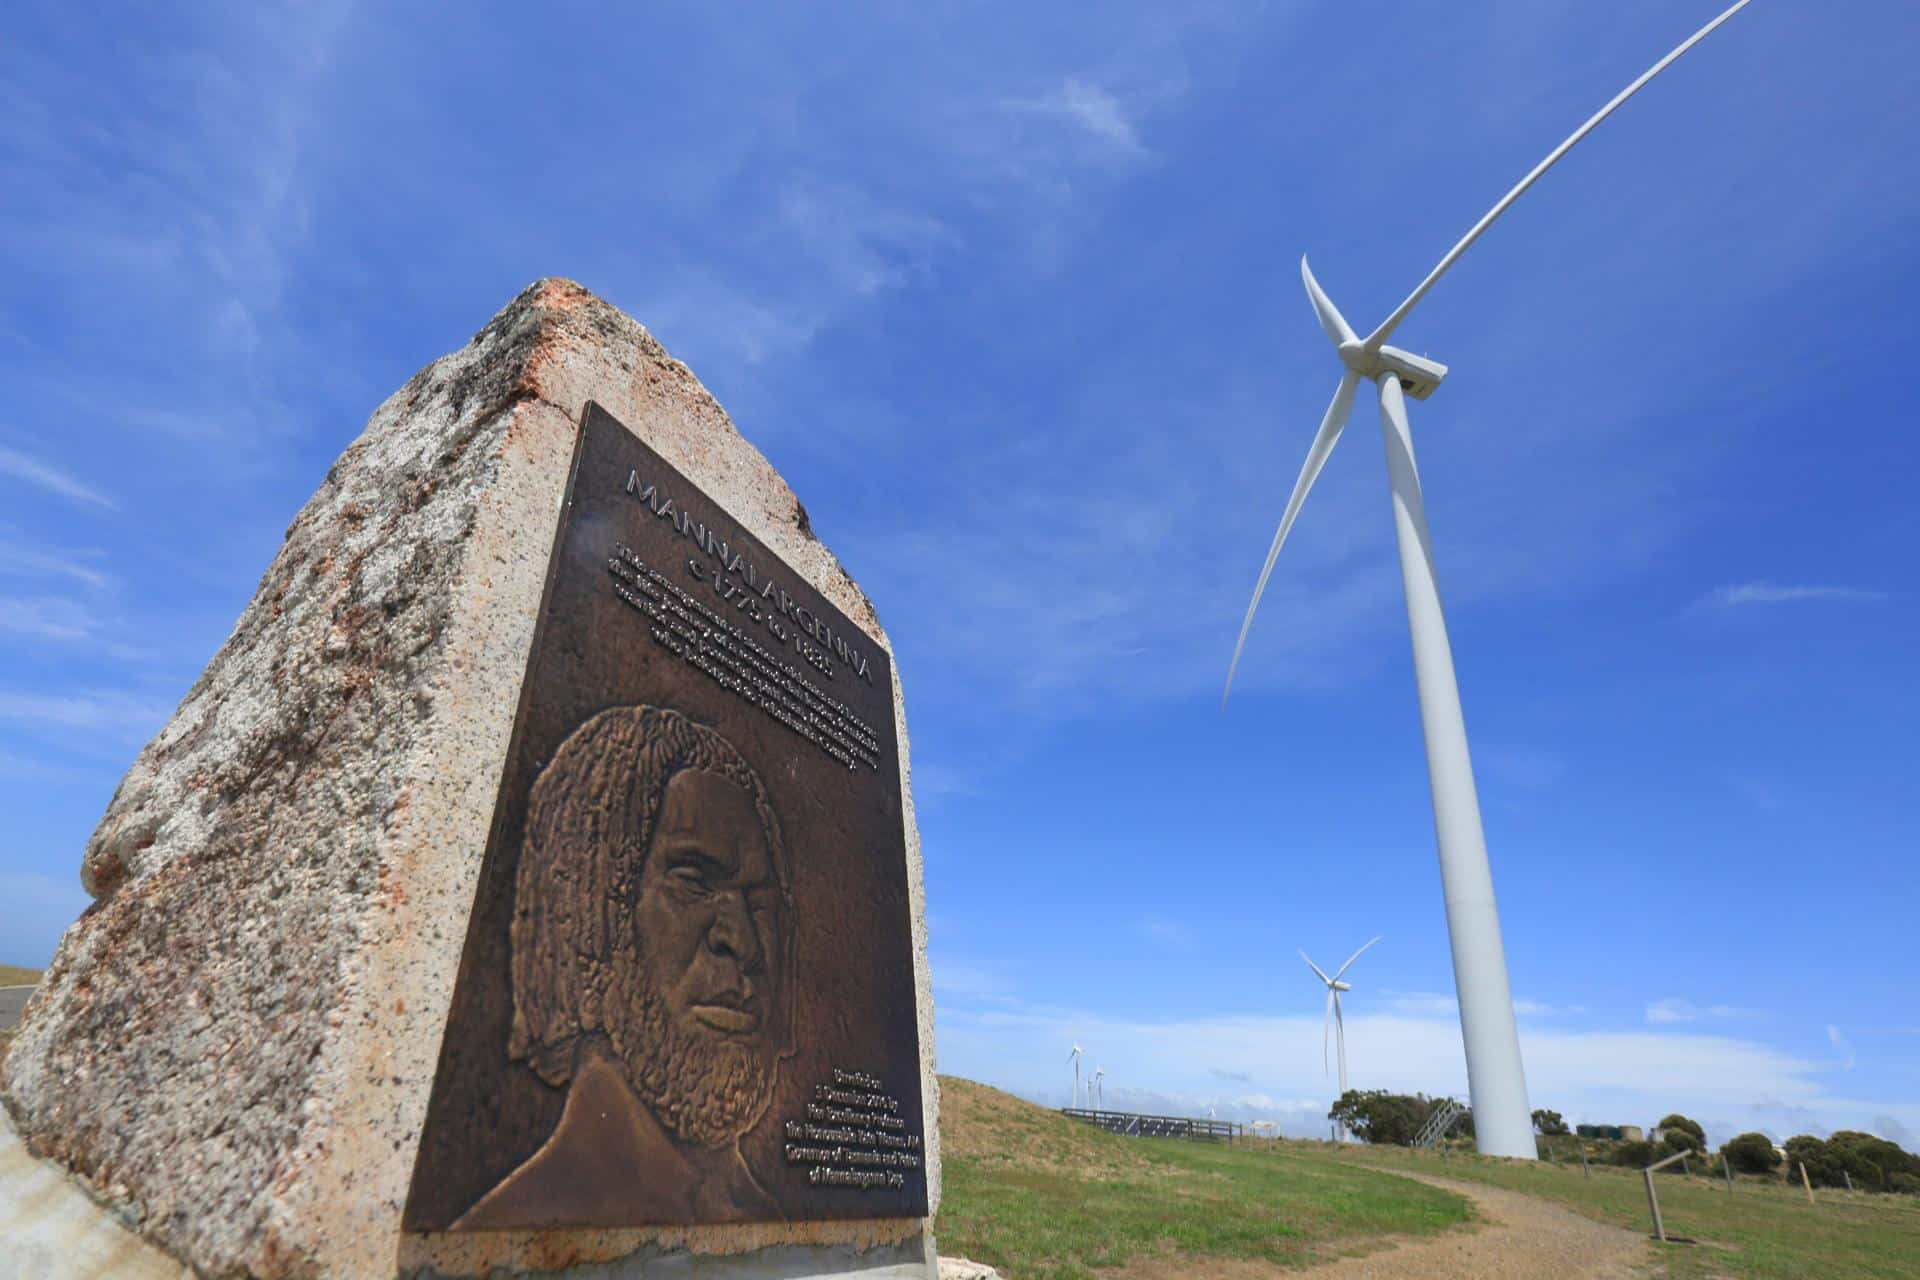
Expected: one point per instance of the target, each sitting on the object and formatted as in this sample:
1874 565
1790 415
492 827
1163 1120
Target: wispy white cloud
939 782
1164 929
1749 593
28 768
861 246
46 476
827 248
1673 1010
43 618
1087 107
1841 1046
24 559
126 717
1434 1003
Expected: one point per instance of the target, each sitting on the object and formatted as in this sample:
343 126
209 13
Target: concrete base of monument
915 1259
54 1230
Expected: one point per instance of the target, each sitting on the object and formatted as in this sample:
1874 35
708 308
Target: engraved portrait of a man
652 974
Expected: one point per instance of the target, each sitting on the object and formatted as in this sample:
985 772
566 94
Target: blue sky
1011 297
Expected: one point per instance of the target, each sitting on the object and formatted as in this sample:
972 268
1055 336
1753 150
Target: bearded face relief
652 954
709 964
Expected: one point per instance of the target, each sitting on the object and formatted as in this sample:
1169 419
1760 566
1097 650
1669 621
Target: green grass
1763 1230
1045 1198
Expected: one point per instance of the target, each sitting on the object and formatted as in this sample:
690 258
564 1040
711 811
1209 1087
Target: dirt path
1523 1238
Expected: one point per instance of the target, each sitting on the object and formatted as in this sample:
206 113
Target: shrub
1858 1151
1825 1165
1682 1134
1549 1123
1752 1153
1634 1155
1904 1183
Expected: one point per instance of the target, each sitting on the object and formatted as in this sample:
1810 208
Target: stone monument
529 884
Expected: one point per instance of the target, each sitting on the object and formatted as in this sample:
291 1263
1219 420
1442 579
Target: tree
1549 1123
1678 1133
1871 1160
1751 1153
1824 1165
1376 1116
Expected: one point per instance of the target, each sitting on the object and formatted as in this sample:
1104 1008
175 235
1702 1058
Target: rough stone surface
234 1045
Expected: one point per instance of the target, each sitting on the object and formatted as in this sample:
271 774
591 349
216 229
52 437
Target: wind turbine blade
1355 956
1316 969
1392 322
1335 324
1323 442
1325 1030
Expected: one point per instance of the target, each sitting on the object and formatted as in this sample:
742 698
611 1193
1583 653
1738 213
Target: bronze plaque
687 992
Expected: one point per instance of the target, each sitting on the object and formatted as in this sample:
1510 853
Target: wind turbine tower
1074 1058
1336 1022
1503 1124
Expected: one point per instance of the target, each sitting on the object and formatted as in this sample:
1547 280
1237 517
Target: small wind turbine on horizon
1496 1077
1074 1058
1336 1022
1098 1087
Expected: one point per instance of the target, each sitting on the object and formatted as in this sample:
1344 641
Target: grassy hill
1046 1198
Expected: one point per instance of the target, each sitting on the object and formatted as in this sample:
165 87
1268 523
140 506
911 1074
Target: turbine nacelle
1419 376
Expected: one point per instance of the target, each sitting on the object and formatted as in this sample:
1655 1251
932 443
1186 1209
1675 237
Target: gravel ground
1523 1238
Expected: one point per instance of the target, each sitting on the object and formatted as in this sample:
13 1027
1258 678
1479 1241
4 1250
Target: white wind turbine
1099 1086
1074 1058
1336 1023
1495 1075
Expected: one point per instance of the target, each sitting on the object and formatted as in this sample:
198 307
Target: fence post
1848 1177
1728 1170
1653 1201
1584 1171
1805 1182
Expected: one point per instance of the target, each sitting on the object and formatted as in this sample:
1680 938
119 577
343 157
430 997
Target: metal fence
1142 1126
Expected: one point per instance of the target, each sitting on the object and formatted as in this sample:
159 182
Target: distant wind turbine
1099 1088
1495 1075
1336 1023
1074 1058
